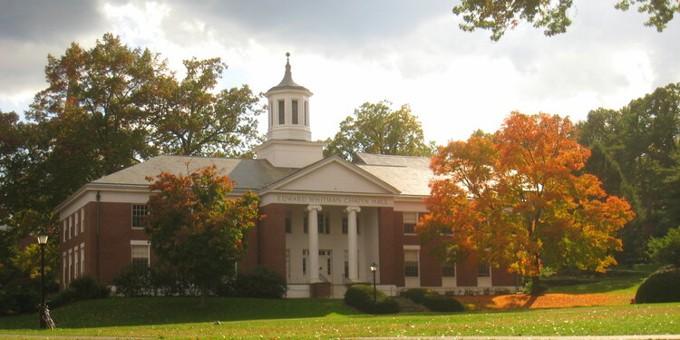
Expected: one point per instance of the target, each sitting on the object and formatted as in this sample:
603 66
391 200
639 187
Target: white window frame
82 220
417 215
76 263
70 265
141 243
132 215
82 259
64 264
412 281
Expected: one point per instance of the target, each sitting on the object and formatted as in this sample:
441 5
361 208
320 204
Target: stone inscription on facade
332 200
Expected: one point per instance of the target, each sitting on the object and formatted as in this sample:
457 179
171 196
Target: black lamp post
374 268
45 319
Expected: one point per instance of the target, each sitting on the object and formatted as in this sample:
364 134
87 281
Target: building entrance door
325 264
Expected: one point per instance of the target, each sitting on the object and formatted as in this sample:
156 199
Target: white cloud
455 81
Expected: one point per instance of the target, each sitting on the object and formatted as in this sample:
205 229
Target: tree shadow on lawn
602 285
113 312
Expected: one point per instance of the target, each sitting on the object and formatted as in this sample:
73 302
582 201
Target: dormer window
295 112
282 112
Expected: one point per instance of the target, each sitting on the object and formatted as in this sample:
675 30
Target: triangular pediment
333 175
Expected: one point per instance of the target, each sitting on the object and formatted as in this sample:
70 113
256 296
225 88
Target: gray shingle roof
246 173
411 175
390 160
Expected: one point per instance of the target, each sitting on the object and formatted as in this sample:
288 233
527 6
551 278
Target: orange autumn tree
518 198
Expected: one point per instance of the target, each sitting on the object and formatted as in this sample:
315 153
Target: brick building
327 220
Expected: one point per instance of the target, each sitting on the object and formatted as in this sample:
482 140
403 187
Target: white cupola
288 105
289 138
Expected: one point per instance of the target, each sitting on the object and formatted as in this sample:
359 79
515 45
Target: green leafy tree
377 128
500 15
636 153
194 120
666 250
197 228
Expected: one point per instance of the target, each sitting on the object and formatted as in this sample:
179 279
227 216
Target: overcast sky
350 52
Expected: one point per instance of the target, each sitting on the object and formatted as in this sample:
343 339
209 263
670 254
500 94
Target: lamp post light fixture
374 268
45 318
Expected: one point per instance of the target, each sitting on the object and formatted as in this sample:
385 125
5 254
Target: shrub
361 298
666 250
134 280
662 286
416 295
386 306
84 288
433 300
88 288
440 303
261 283
18 299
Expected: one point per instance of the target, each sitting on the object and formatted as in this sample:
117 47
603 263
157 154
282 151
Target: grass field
304 318
179 317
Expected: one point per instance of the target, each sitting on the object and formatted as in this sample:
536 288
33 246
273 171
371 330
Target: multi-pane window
448 270
288 263
484 270
305 222
76 263
324 223
139 213
64 261
410 220
69 273
346 265
305 252
82 220
282 112
411 263
140 255
345 224
295 111
82 259
288 223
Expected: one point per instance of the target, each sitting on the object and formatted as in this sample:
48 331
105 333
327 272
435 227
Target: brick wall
271 234
390 247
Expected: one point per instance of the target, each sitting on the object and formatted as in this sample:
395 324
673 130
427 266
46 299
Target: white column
313 233
352 248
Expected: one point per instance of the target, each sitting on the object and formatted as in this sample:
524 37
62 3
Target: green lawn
305 318
622 280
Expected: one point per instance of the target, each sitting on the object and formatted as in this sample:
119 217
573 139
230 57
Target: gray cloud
35 20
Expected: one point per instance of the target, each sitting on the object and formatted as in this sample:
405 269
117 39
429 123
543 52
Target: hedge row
361 298
433 300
